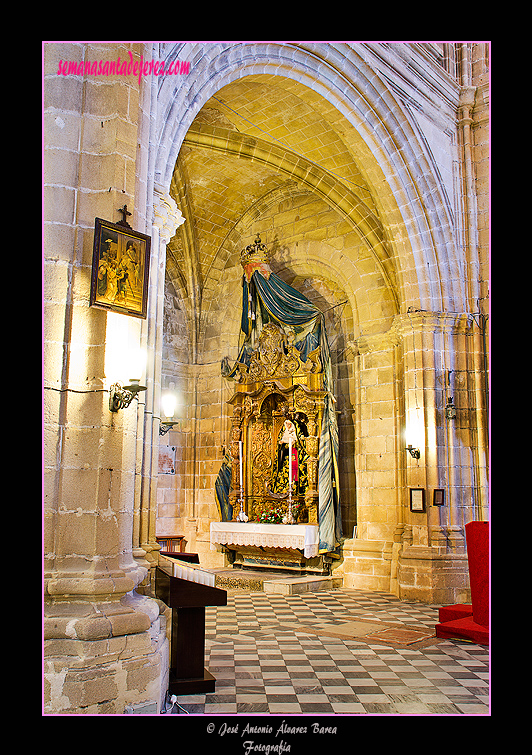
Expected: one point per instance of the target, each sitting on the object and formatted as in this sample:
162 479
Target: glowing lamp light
124 360
136 359
168 406
415 434
121 396
168 403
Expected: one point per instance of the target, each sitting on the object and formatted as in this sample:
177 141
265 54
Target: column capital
467 96
167 217
466 104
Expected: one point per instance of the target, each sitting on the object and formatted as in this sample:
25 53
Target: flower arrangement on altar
276 512
272 516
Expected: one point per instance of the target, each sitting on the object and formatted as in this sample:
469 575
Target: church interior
266 378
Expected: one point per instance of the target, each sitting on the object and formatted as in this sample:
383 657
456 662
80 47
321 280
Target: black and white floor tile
343 651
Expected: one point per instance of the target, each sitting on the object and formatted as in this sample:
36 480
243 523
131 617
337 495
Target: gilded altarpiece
277 387
277 491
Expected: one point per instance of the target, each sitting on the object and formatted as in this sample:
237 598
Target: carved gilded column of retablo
308 406
236 437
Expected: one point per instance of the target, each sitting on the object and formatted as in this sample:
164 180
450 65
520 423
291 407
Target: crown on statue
255 253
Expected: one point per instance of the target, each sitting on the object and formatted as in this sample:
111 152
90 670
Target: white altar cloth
303 536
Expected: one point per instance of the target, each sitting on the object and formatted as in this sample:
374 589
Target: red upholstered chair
471 621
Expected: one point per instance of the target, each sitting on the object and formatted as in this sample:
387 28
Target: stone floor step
273 582
297 585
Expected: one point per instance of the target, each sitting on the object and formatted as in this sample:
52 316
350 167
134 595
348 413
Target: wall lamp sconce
120 396
168 405
165 426
415 453
450 409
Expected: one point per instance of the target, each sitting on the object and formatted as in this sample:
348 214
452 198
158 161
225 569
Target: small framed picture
167 459
120 268
417 499
438 498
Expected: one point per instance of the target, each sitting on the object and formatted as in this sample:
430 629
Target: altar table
305 537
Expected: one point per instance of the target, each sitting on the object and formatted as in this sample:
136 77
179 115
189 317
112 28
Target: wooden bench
171 543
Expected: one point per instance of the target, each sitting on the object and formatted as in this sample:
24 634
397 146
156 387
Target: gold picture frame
120 269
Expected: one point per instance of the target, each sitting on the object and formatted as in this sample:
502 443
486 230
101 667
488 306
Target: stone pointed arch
400 166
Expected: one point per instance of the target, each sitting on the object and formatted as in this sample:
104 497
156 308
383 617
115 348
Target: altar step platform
281 558
249 580
272 582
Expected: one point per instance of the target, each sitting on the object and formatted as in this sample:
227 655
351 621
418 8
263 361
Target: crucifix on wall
125 215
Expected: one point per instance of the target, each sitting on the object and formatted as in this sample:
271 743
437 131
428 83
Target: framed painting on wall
417 499
167 459
438 497
120 269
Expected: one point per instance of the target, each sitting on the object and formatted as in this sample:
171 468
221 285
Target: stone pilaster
432 562
404 380
166 219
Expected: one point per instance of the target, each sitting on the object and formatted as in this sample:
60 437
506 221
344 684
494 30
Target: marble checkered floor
336 652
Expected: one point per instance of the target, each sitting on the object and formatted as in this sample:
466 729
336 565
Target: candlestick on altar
241 469
242 516
290 463
288 518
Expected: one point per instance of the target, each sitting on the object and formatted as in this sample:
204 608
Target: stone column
104 646
166 219
405 378
432 564
370 556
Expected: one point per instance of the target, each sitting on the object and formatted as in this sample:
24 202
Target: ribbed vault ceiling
219 187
